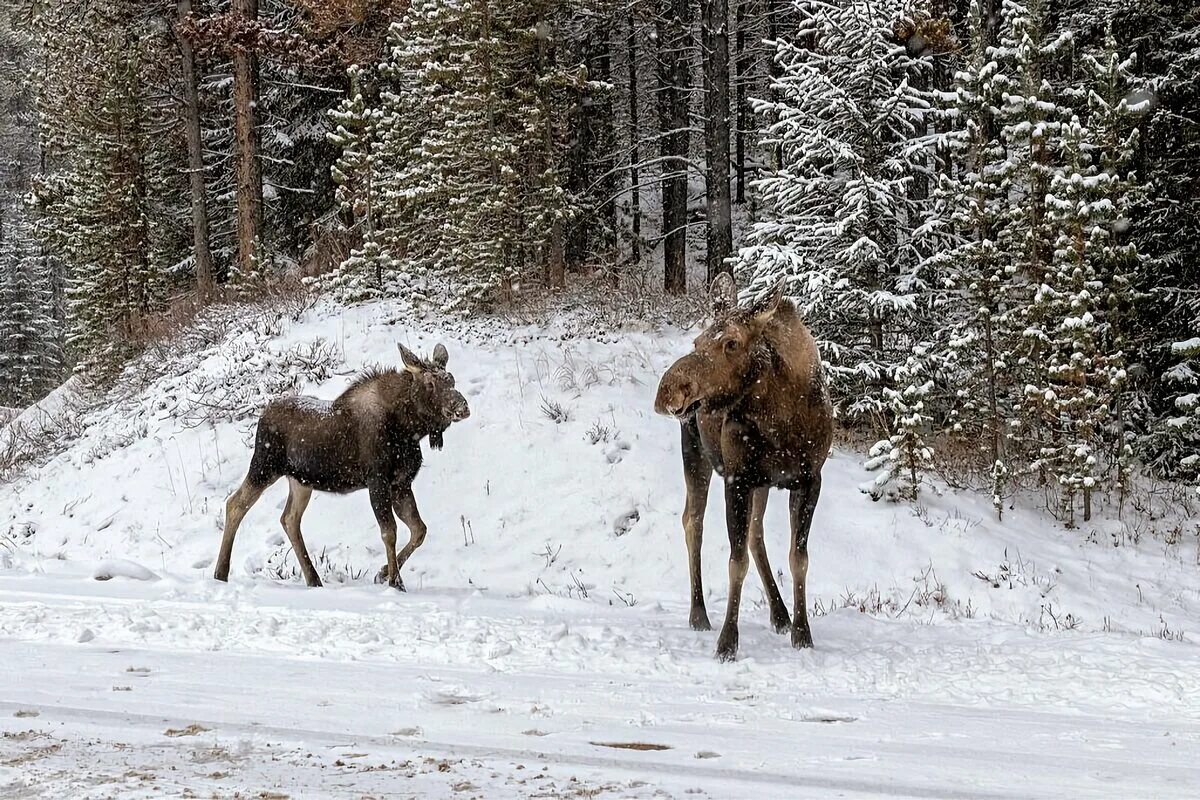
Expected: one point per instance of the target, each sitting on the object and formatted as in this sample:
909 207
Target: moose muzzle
678 393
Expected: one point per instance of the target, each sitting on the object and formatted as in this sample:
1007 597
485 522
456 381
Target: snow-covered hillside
546 615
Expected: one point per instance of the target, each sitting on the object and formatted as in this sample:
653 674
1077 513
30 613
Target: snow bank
120 568
45 414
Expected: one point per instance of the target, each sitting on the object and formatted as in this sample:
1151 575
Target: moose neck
761 365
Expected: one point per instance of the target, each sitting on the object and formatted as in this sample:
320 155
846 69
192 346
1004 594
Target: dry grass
633 745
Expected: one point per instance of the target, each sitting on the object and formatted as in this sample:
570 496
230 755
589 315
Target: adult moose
752 404
369 437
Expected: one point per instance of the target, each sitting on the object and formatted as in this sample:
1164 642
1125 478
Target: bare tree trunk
191 123
555 255
742 68
635 205
714 27
605 142
245 130
674 78
775 20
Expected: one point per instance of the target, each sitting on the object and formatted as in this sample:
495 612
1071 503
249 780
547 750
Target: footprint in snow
453 696
827 717
625 522
616 451
414 731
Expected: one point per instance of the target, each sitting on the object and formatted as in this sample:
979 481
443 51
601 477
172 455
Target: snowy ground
543 650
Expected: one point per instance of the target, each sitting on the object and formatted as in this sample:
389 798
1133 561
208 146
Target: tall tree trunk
191 123
635 203
742 70
245 130
674 78
775 23
714 27
605 141
555 255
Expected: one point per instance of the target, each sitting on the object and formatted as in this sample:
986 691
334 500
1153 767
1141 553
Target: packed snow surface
542 649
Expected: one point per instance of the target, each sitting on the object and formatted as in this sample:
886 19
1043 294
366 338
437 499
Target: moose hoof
780 622
382 577
801 638
699 620
727 647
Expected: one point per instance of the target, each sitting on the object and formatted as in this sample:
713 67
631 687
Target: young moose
369 437
752 404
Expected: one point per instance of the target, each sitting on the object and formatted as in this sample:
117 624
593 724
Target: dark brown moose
369 437
752 404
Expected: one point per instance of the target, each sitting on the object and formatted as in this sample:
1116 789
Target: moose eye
731 345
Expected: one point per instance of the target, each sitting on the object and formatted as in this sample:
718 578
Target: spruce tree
977 337
842 224
456 169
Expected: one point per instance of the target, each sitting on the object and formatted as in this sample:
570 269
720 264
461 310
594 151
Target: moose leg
297 502
780 620
697 474
405 505
802 503
737 514
235 511
381 504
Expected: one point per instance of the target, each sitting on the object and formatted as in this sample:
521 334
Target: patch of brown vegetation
633 745
190 730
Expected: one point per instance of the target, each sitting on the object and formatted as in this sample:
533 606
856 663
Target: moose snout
675 396
459 410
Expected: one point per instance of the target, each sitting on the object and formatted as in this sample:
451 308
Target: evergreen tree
109 209
1031 119
1166 228
458 171
30 351
842 224
978 338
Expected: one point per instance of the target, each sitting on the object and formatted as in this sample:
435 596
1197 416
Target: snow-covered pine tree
1182 429
30 342
976 334
1031 119
356 175
1166 228
1081 374
1066 230
106 209
841 222
465 148
1117 106
30 346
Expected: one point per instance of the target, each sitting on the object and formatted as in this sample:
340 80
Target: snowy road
185 687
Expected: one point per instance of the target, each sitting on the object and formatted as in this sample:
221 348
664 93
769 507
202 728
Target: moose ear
440 356
765 307
411 362
723 293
